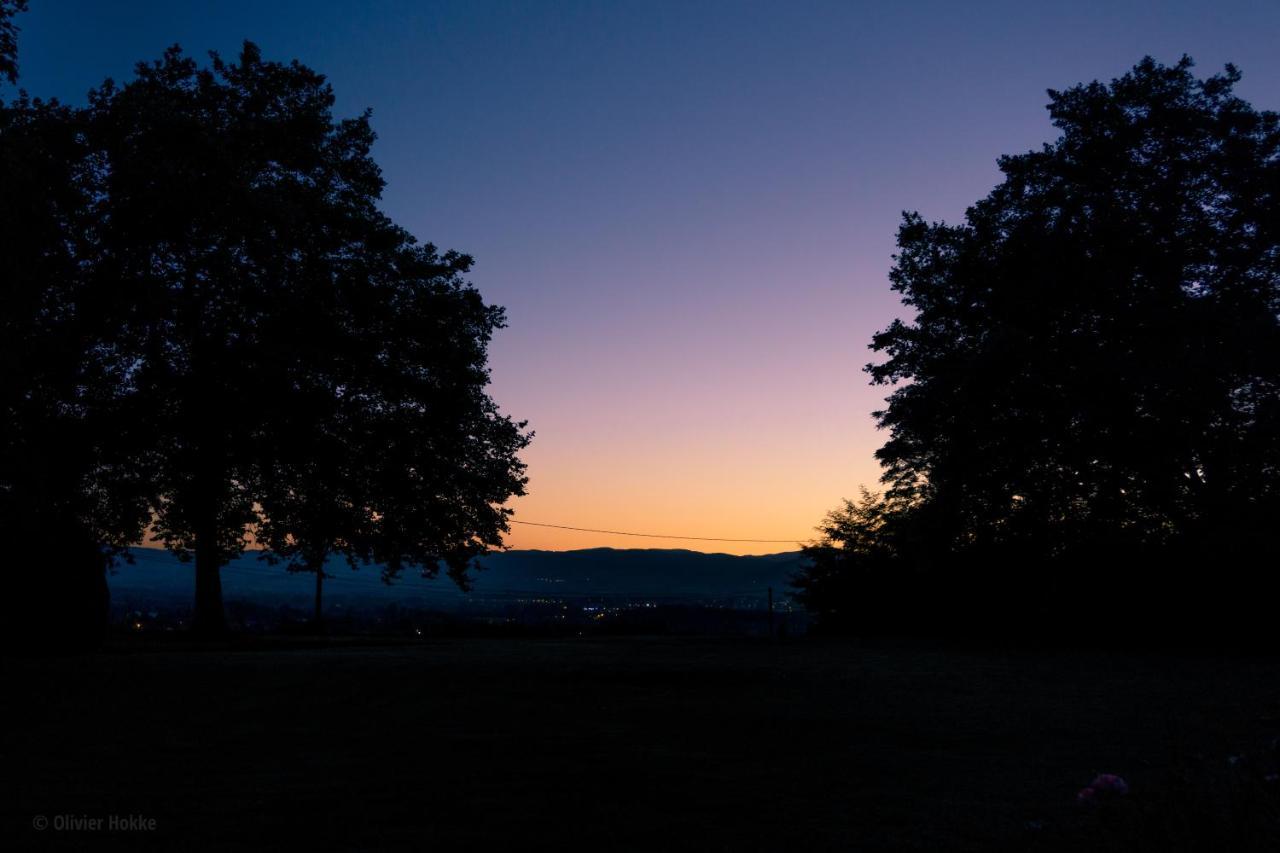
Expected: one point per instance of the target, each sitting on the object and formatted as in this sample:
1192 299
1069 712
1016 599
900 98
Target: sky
687 209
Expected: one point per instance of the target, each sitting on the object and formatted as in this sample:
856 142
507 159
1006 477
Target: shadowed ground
602 743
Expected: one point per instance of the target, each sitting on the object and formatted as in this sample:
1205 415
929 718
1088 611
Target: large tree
67 503
73 485
1087 399
398 455
269 304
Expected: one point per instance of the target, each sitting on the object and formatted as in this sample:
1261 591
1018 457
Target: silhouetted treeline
1084 427
211 330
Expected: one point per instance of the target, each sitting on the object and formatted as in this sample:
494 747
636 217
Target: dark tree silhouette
400 456
261 292
9 38
852 568
73 490
446 459
313 502
1086 406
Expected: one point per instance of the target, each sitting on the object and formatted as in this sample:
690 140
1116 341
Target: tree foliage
852 568
306 362
1090 386
73 486
247 346
9 38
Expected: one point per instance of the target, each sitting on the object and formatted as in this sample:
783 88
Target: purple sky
688 209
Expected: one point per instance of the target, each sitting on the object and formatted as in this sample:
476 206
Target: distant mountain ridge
658 574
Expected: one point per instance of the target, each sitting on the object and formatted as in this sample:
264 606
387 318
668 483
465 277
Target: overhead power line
652 535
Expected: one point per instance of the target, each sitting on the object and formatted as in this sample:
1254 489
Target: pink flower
1110 785
1103 788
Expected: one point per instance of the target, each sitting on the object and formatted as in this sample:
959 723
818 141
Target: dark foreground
629 743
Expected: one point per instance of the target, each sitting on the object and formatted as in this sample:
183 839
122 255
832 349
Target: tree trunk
209 619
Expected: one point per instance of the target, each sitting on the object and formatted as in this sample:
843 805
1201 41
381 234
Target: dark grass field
605 743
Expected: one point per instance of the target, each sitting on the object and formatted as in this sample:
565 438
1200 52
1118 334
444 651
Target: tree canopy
73 485
305 372
1090 384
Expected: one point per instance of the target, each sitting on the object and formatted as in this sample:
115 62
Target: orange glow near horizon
705 495
738 411
695 450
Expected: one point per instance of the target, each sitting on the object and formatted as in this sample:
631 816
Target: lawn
637 743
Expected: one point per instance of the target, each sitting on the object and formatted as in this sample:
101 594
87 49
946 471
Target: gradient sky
687 208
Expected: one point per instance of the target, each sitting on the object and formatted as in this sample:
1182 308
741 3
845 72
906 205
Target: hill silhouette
659 574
